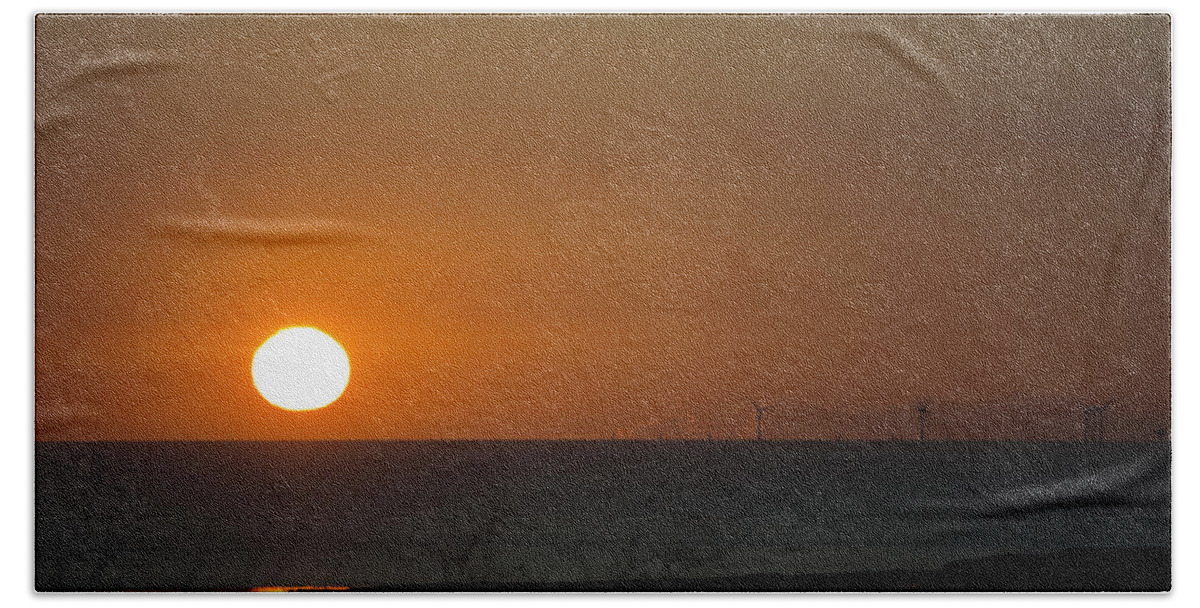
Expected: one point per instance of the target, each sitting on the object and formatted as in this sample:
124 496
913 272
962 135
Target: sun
300 368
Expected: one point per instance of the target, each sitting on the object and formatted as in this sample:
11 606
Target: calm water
565 514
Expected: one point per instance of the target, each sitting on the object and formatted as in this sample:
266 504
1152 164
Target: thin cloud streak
248 231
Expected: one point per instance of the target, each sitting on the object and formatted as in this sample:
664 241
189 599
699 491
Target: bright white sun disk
300 368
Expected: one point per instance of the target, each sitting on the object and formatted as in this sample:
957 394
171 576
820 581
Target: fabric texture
603 302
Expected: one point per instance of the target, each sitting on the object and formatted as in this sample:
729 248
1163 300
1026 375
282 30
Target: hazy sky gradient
574 227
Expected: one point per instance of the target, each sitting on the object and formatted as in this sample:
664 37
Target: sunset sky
587 227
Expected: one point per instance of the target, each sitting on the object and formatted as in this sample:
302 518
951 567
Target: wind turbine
1093 422
921 411
759 410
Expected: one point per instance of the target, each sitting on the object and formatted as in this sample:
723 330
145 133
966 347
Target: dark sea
604 515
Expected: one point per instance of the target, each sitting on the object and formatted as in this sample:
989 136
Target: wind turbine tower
1093 422
759 411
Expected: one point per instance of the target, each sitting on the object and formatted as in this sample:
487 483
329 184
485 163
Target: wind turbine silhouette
1093 421
922 410
759 410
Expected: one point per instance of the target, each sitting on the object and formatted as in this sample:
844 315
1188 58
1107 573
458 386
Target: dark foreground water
647 515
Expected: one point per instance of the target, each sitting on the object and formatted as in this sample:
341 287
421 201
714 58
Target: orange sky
574 227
